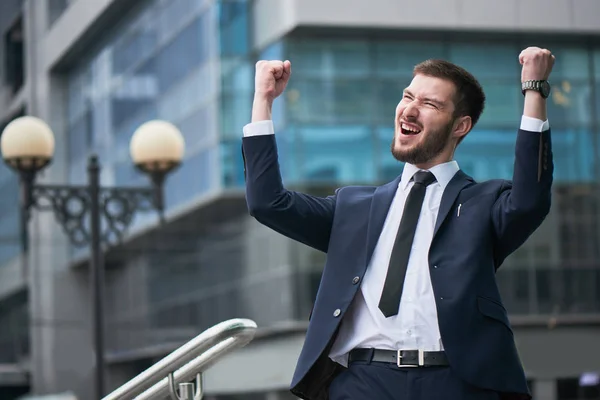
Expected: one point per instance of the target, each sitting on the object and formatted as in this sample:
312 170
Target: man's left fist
537 64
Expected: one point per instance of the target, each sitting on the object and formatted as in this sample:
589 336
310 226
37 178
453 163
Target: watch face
545 89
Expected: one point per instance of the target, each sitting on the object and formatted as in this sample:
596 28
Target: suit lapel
456 184
380 205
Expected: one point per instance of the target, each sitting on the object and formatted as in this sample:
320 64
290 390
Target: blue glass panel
273 52
340 154
329 58
388 95
9 215
571 63
196 176
289 156
388 167
570 103
489 154
186 51
233 22
236 100
198 128
237 75
504 103
330 101
596 62
232 163
490 60
122 133
397 59
235 113
135 45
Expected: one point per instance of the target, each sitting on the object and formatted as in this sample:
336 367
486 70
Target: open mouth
408 129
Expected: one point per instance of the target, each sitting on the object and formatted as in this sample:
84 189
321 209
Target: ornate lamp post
156 148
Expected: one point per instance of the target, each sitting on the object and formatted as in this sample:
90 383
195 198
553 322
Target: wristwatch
543 87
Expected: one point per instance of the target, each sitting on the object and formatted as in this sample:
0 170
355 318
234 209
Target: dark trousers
384 381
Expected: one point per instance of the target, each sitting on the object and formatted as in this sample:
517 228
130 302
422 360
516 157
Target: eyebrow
437 102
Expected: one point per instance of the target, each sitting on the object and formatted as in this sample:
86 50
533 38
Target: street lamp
156 147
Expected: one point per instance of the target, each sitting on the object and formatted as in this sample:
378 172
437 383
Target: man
408 306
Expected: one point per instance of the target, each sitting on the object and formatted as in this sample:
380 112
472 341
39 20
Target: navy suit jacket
495 218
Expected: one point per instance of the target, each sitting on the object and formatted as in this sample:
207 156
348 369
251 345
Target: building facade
97 69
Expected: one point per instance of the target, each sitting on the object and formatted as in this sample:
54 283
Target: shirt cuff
259 128
534 124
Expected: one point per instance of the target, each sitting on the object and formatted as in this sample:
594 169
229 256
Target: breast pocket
477 205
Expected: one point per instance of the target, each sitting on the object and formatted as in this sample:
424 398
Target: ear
462 126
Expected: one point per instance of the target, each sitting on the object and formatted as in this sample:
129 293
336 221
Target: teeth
410 129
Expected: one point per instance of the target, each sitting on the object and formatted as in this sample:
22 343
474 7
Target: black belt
402 358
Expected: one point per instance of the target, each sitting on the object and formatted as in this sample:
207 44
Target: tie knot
425 178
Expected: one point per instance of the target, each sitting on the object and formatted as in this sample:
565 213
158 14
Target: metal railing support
186 363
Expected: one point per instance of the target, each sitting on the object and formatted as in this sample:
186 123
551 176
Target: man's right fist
271 78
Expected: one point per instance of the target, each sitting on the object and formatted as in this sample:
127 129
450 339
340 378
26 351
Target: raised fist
271 78
537 64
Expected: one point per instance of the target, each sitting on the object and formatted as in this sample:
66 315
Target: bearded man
408 307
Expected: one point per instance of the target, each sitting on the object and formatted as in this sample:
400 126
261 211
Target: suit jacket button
356 280
337 312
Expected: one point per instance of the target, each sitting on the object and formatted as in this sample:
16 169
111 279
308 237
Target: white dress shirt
415 327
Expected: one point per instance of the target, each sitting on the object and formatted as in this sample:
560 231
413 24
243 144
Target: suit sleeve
524 203
302 217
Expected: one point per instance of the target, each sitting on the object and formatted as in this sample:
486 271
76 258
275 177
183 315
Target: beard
430 146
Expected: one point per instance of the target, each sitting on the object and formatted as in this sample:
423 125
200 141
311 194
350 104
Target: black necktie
394 281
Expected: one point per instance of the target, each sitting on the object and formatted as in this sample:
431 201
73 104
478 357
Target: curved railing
186 363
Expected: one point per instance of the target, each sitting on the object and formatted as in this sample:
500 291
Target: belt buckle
421 359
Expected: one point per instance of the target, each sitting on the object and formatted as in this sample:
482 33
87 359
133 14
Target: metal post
186 391
96 273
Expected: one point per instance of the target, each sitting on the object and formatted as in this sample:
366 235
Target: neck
445 156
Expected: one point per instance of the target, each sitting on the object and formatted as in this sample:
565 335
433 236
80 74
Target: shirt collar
443 173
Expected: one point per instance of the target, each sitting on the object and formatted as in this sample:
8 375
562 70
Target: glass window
596 64
490 153
397 59
187 50
237 75
487 61
388 95
233 21
196 176
9 216
388 167
571 63
157 64
574 155
570 103
327 58
235 113
340 154
504 103
330 100
132 47
232 163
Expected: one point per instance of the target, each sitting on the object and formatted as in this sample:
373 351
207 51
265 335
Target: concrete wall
61 340
274 18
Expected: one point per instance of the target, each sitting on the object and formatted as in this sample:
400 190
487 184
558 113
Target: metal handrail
188 360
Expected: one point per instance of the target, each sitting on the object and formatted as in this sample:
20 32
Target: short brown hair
469 99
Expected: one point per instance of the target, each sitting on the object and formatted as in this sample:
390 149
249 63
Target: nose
411 111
